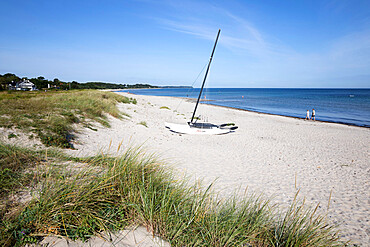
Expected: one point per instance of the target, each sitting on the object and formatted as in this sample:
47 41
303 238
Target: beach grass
14 162
143 123
164 107
50 115
86 196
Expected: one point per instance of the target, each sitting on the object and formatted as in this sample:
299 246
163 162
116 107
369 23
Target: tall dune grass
50 115
109 194
14 162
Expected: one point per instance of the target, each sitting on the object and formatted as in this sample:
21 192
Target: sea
346 106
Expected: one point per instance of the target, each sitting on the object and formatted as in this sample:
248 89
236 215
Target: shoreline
193 100
271 114
269 154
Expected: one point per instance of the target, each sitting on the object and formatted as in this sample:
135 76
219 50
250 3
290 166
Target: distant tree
42 83
74 85
6 79
63 85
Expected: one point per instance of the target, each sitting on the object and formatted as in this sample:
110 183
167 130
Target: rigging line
183 98
207 94
205 76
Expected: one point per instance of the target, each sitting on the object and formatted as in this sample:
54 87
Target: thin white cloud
239 35
354 43
345 56
188 28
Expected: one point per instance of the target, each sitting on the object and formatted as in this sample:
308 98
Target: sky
272 43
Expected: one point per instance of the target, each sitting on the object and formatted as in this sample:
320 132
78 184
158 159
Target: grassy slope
50 115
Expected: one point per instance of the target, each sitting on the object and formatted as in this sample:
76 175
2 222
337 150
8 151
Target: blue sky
262 44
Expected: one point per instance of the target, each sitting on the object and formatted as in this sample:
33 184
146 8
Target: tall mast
205 76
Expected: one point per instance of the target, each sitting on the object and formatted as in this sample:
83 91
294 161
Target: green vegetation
143 123
6 79
133 101
109 194
20 170
42 83
164 107
104 85
126 115
50 115
12 135
13 162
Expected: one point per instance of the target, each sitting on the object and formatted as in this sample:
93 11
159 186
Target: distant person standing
307 115
313 115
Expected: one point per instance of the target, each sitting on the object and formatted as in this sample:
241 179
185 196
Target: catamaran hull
187 129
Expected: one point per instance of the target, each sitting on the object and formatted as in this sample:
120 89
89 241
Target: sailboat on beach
194 127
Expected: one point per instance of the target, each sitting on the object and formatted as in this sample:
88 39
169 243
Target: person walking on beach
313 115
307 115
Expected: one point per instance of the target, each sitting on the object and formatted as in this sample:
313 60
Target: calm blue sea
348 106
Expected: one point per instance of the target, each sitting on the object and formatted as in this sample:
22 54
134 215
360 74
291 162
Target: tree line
42 83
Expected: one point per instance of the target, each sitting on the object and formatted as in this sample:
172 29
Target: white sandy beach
271 154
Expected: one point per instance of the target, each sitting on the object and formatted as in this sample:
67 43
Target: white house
24 85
